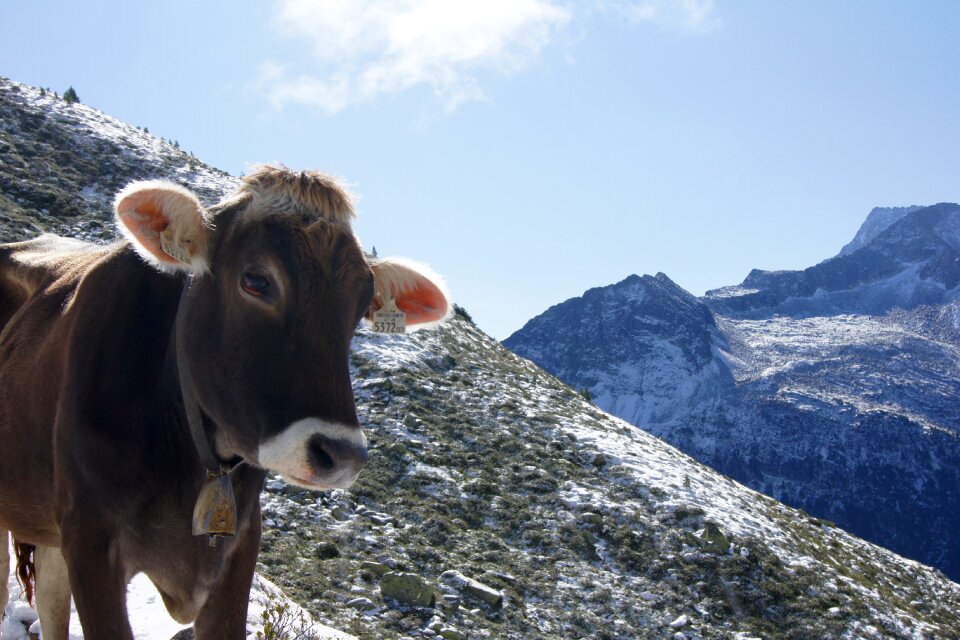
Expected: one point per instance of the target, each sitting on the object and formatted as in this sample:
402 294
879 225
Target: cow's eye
255 284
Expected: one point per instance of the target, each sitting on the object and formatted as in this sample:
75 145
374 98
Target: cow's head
280 283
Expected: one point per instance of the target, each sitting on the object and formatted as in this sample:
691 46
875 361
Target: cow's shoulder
113 328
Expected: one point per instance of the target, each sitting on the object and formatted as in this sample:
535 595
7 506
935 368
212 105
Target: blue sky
532 149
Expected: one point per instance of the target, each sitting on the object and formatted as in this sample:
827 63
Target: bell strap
215 512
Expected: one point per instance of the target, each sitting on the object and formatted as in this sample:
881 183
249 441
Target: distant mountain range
914 261
484 469
834 389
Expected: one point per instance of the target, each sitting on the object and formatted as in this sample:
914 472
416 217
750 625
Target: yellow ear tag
172 248
389 319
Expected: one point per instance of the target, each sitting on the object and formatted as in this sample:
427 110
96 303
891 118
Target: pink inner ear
144 218
425 303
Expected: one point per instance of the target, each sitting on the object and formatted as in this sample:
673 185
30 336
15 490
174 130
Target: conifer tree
70 95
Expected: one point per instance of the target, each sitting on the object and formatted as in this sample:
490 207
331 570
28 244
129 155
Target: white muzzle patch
316 454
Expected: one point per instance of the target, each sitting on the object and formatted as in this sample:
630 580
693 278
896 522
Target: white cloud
366 48
692 16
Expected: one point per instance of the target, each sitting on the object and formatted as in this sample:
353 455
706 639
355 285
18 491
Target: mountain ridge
879 219
914 261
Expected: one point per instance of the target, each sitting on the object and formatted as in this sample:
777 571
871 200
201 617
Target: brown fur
274 187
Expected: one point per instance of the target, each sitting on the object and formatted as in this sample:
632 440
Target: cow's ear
417 291
165 223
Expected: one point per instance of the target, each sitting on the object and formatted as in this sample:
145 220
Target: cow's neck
215 512
191 407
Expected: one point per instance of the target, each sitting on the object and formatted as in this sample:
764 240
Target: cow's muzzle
316 454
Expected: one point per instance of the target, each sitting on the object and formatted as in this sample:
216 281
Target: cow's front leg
5 567
224 614
53 593
97 580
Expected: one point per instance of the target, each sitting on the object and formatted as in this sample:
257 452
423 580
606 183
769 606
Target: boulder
408 588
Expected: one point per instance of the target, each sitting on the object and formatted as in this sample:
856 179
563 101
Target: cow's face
267 332
280 284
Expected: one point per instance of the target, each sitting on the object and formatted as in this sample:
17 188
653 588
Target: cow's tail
26 571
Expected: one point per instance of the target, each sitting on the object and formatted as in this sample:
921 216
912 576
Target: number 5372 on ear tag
389 319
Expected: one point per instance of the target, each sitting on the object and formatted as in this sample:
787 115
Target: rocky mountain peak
650 319
913 261
878 220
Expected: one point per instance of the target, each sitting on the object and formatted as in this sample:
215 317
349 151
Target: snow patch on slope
149 618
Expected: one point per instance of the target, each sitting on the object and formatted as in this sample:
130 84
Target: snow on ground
148 617
137 148
686 483
820 360
89 123
396 352
771 340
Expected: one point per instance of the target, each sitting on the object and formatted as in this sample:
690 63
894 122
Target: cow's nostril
320 453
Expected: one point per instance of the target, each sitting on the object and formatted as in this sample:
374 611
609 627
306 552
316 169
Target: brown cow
211 342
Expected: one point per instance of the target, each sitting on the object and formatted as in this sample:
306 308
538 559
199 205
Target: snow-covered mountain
833 389
665 358
498 503
914 261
